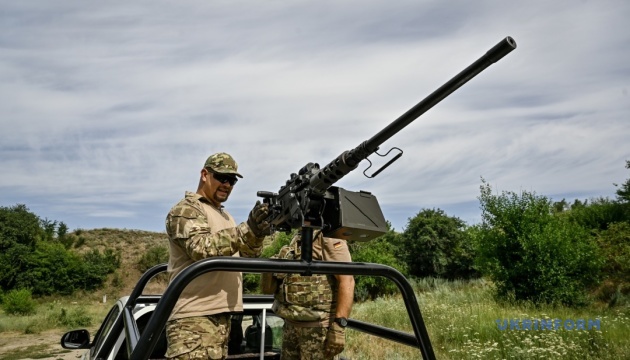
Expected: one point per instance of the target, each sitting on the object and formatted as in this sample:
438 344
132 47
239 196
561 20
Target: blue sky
109 109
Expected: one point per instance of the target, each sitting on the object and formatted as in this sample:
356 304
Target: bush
279 240
154 256
599 213
80 242
19 302
381 250
251 283
437 245
614 243
531 254
76 318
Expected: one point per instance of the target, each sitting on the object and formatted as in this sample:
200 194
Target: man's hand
257 220
335 340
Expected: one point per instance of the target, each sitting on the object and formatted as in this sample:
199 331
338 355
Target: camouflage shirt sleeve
187 225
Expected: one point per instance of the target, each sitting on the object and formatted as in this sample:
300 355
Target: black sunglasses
222 178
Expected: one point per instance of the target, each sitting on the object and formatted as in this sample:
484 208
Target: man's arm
188 226
336 338
346 295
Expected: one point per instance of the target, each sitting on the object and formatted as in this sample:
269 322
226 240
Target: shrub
80 242
437 245
251 283
117 281
19 302
531 254
154 256
381 250
279 240
599 213
614 243
76 318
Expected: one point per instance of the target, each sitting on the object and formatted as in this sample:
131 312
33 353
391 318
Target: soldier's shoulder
188 206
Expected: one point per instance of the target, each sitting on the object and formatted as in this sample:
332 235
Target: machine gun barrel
349 160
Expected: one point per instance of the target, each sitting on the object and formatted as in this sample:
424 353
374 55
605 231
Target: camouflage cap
222 163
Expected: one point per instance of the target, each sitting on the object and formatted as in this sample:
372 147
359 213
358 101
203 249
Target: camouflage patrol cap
222 163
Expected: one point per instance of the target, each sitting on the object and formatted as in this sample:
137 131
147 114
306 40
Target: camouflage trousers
303 343
201 337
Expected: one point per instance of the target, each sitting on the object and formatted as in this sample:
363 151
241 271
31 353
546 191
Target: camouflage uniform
307 303
199 325
198 337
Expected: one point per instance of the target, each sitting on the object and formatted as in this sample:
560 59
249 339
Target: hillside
131 245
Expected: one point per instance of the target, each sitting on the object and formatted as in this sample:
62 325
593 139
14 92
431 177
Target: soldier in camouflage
199 227
315 308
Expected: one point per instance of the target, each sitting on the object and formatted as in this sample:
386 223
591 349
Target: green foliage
437 245
614 243
76 318
19 302
18 226
97 266
50 269
13 261
599 213
155 255
531 254
251 283
381 250
117 281
279 240
49 227
623 193
80 242
34 256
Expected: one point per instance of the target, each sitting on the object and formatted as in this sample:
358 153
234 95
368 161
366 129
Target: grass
33 352
460 316
57 314
461 322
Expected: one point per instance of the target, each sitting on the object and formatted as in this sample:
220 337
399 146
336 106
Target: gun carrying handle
384 166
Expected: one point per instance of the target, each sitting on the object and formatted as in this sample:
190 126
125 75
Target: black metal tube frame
140 347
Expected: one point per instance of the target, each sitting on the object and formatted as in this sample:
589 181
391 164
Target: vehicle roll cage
140 346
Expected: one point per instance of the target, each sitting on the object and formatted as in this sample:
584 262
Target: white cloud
109 110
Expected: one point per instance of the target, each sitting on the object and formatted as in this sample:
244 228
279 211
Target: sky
108 110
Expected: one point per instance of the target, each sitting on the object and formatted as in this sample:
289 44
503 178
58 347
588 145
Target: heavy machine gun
309 200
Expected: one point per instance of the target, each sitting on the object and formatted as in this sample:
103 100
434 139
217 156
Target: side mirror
76 339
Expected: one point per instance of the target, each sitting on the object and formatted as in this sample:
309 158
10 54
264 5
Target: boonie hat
222 163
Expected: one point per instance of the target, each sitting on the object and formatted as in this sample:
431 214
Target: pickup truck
256 333
134 327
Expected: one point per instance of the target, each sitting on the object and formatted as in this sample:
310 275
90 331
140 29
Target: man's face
217 187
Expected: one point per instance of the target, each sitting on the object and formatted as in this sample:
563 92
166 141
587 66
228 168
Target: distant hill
131 245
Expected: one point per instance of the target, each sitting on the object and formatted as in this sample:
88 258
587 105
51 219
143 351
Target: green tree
31 259
437 245
623 193
599 213
615 245
18 226
531 254
50 228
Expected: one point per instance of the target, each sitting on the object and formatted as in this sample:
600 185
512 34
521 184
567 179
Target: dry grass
461 321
